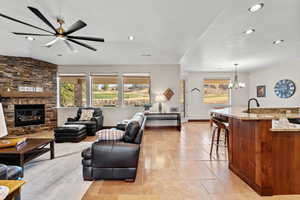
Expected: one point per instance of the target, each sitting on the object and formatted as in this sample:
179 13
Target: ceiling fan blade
70 46
49 44
75 27
42 17
24 23
82 44
32 34
87 38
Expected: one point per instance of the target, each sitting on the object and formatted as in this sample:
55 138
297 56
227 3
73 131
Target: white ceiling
163 28
201 35
224 44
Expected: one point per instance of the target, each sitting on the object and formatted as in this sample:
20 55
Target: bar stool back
218 126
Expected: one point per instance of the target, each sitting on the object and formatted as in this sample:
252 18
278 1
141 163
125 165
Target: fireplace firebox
26 115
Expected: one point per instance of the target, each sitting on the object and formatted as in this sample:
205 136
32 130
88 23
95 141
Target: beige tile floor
177 166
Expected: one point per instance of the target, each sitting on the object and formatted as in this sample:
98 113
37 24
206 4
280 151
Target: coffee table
32 149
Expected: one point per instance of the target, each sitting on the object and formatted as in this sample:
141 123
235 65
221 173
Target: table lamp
3 128
160 99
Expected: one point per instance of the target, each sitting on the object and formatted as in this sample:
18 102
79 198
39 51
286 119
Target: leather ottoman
91 126
70 133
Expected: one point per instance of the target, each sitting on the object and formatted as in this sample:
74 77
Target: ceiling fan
59 33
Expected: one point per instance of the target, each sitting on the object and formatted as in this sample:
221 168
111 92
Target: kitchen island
265 157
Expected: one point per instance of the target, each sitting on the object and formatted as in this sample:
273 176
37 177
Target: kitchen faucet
249 103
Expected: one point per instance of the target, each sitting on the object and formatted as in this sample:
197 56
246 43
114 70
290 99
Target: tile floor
177 166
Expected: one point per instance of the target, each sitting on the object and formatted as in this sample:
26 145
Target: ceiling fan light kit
59 33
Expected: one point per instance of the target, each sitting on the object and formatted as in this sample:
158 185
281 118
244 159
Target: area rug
58 179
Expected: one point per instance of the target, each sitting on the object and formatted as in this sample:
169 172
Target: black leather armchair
115 160
93 125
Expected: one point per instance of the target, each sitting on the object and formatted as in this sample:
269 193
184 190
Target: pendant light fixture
236 84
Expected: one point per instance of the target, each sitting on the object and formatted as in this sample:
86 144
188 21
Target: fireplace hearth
26 115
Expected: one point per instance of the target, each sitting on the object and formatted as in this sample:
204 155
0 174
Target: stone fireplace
28 112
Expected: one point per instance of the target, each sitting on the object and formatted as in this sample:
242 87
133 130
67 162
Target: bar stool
218 126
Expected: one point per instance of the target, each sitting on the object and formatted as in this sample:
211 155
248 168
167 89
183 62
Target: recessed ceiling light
249 31
256 7
146 55
131 37
29 38
278 41
59 55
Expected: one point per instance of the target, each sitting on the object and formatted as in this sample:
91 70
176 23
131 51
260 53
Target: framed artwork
168 94
261 91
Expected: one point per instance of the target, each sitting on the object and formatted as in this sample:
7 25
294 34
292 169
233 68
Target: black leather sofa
93 125
115 160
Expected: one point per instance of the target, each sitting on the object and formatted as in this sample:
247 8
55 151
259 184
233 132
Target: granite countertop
237 112
285 129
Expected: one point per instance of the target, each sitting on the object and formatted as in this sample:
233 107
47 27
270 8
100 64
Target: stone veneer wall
16 71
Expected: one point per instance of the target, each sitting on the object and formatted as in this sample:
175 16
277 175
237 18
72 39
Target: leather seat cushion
70 128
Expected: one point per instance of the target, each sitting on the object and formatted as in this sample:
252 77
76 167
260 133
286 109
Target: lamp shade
160 98
3 128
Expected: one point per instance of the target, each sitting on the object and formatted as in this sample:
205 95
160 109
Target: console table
165 116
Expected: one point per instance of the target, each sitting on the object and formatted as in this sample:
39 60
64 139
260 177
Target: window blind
136 80
105 79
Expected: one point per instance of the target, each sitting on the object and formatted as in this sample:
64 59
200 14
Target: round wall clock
285 88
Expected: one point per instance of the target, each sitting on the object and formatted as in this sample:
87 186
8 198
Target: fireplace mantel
26 94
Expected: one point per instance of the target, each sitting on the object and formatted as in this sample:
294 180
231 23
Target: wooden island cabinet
266 158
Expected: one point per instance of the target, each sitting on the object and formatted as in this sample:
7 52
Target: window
102 90
72 91
136 90
216 91
105 90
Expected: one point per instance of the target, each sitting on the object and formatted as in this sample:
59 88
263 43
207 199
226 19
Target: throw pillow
86 115
110 135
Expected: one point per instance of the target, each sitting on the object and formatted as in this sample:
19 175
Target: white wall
162 78
196 109
269 76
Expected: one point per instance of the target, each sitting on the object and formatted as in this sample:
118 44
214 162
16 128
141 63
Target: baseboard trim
160 127
198 120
